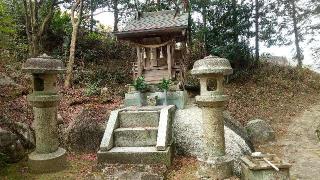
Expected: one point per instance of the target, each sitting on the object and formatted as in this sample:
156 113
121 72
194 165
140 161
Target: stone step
135 155
135 137
139 118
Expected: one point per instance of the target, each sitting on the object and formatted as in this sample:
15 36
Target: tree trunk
75 26
204 21
35 46
35 28
257 17
296 34
234 21
158 5
69 74
115 15
91 15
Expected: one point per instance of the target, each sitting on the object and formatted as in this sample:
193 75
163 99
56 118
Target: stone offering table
215 164
256 168
48 156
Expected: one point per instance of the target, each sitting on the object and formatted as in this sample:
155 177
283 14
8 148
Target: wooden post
139 61
153 54
172 55
169 61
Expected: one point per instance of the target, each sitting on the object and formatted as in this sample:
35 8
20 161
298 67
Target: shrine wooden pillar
172 55
153 58
169 61
139 61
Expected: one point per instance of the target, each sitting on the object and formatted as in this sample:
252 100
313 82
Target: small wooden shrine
160 38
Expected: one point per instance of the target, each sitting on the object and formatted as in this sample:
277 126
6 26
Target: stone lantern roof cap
43 64
211 65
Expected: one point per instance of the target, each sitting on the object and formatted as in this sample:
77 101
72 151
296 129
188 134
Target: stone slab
107 140
138 119
133 99
135 137
164 130
136 155
177 98
266 174
46 163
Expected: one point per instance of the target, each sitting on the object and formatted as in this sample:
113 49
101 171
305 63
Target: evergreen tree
202 7
295 18
265 22
229 32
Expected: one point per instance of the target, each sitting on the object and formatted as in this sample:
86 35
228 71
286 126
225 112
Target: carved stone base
45 163
215 168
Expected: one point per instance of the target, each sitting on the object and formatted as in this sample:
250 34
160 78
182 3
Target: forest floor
285 97
298 145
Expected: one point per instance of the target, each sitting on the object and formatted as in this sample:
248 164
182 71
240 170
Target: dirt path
301 147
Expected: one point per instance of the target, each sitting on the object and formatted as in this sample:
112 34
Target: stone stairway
138 136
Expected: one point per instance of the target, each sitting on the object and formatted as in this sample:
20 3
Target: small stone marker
216 164
264 167
48 156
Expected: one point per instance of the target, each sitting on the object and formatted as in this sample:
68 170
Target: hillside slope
272 92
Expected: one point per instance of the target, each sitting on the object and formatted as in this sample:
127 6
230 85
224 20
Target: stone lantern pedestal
215 164
48 156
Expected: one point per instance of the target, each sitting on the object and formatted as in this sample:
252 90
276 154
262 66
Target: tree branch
25 4
47 18
80 14
73 9
88 15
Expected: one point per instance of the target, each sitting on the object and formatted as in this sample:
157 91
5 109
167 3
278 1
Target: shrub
165 84
92 89
140 84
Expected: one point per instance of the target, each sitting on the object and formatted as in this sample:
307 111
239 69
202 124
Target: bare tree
115 15
295 21
256 23
299 55
76 17
35 23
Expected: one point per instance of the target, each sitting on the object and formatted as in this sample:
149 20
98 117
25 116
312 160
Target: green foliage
13 39
164 85
60 23
6 22
98 47
92 88
7 25
225 29
140 84
57 39
229 30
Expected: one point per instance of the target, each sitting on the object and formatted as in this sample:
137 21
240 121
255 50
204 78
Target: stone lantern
48 156
214 164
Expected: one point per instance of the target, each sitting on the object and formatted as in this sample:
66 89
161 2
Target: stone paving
301 146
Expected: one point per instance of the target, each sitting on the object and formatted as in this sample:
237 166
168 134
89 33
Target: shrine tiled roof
157 20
